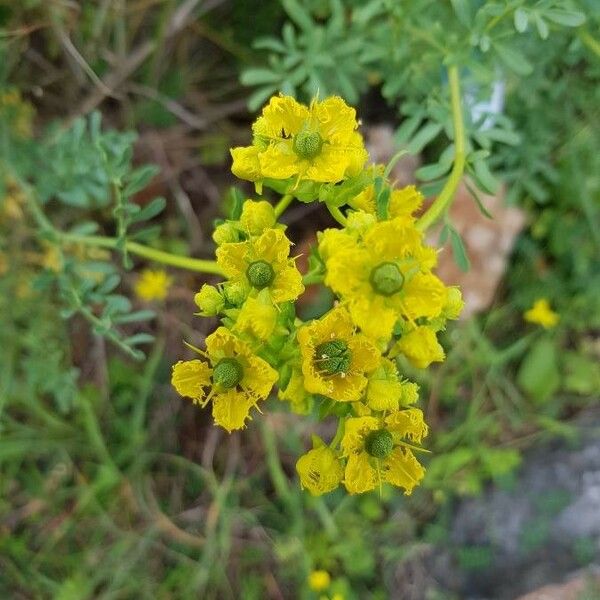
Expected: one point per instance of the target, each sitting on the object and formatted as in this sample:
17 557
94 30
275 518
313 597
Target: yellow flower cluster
389 308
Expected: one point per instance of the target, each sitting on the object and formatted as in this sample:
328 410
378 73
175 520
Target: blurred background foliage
115 123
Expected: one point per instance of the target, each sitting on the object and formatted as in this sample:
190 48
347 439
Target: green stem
283 204
444 199
337 214
183 262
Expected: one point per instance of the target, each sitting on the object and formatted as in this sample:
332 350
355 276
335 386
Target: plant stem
283 204
337 214
444 199
184 262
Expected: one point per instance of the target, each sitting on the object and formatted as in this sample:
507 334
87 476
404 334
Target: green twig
200 265
337 214
283 204
444 200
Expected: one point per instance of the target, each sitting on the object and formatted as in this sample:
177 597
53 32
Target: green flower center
228 373
333 357
260 274
386 279
379 443
308 144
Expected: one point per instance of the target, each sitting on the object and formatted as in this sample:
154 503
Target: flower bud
209 300
454 304
225 233
235 292
257 216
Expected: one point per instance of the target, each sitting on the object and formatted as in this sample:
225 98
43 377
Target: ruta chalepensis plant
389 302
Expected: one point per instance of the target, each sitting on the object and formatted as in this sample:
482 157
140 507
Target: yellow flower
257 216
377 453
542 314
236 377
17 112
263 263
153 285
421 347
320 470
257 316
403 202
318 581
295 393
335 359
318 143
385 275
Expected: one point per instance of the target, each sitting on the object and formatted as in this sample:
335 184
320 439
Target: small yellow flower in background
335 359
317 142
153 285
376 453
17 112
542 314
319 581
263 263
320 470
239 379
421 347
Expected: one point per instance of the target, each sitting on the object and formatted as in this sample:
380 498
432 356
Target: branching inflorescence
388 303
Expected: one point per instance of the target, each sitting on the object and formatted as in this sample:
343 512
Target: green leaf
542 27
139 338
298 15
135 317
484 178
458 250
151 210
433 171
462 9
85 228
505 136
138 179
382 202
521 19
423 137
568 18
484 211
408 128
513 59
258 76
538 374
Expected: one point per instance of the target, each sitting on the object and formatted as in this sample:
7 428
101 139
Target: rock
538 532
